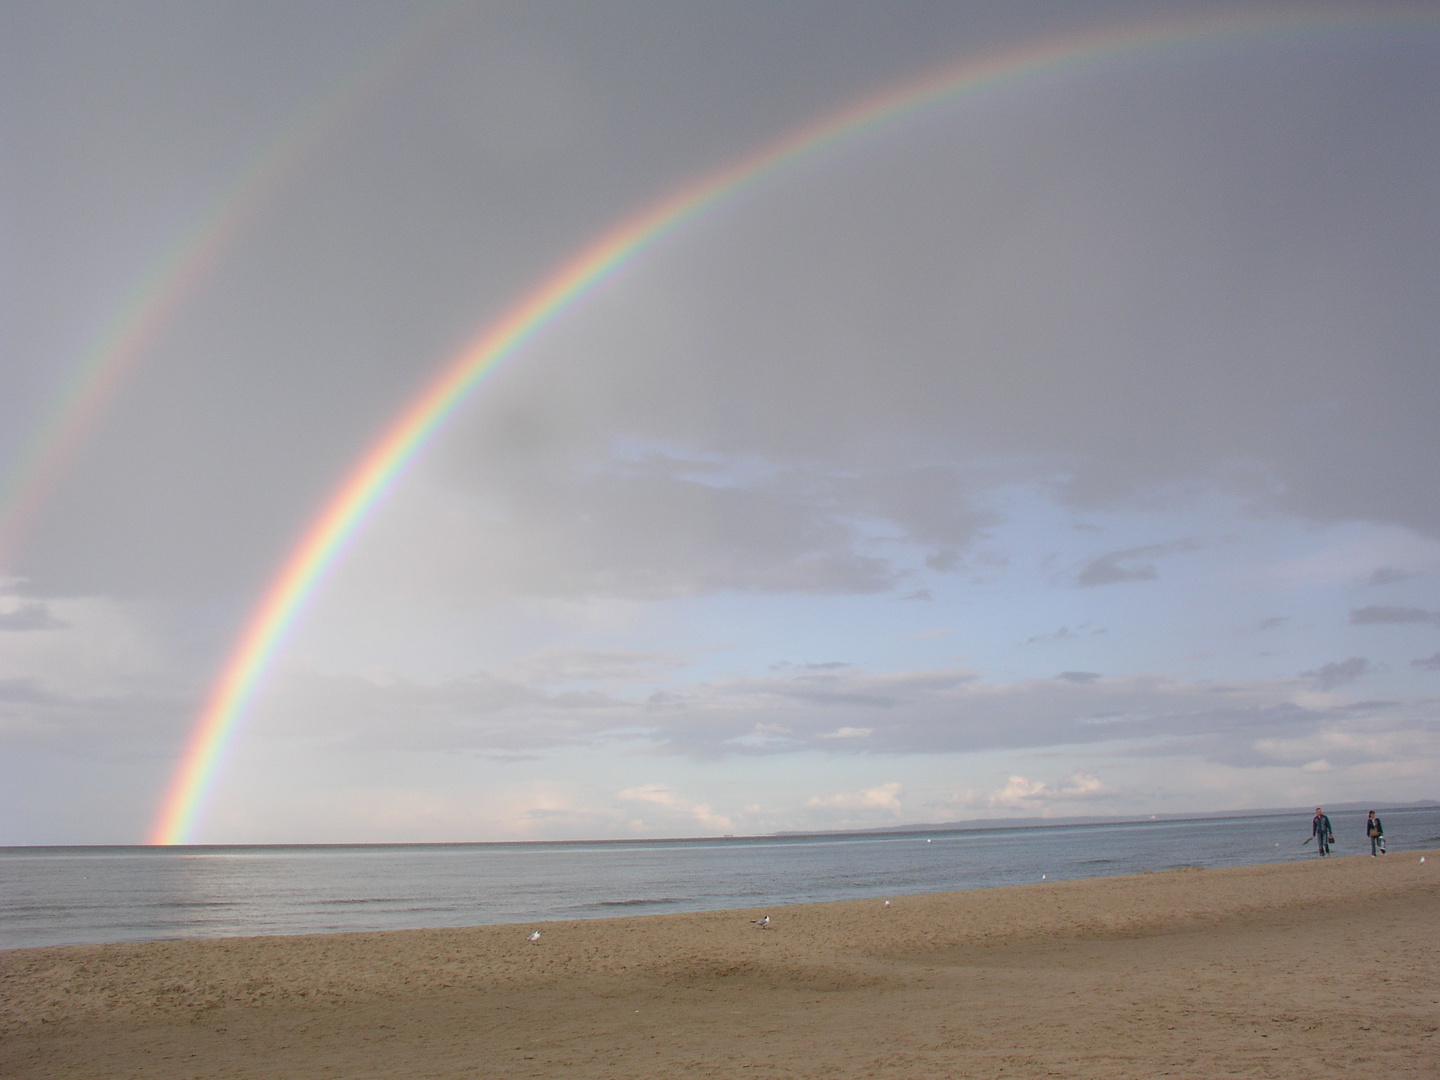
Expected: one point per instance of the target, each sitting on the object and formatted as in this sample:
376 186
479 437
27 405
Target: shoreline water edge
1303 968
57 896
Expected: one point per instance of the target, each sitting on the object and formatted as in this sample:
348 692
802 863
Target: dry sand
1313 969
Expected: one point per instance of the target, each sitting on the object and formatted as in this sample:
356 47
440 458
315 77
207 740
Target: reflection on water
51 896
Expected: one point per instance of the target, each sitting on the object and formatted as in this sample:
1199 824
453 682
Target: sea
82 895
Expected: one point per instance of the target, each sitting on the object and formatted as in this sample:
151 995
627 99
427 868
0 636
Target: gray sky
1065 447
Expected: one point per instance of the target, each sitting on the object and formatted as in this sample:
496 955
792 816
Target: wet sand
1311 969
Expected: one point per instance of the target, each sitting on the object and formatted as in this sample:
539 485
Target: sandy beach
1307 969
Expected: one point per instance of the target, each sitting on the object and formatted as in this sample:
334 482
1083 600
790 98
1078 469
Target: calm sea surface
59 896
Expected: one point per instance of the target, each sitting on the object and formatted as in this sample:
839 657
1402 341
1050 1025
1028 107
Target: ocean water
74 895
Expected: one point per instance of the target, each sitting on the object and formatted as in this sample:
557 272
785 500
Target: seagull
763 923
535 937
887 903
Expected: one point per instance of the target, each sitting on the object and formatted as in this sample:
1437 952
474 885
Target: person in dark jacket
1320 830
1376 832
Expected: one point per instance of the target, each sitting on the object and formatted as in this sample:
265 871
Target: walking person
1376 832
1320 830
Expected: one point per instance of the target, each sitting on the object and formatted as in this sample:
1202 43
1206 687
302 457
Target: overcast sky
1064 448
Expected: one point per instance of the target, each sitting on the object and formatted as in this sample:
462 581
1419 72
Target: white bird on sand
535 937
763 923
1422 858
887 903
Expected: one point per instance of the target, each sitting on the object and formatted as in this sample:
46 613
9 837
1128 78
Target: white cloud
1339 743
1017 791
670 799
1021 792
884 797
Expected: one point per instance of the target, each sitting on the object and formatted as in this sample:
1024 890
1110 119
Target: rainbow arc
344 512
173 279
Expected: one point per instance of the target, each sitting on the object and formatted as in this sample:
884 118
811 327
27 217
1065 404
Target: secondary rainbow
172 278
342 514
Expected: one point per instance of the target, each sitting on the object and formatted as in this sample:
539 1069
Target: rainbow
384 462
173 277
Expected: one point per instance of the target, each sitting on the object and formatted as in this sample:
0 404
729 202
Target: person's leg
1374 846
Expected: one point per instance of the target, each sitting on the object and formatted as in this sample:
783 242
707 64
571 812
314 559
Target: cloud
601 516
944 560
1017 791
1082 677
1273 621
1339 741
1388 575
1065 634
881 797
990 322
558 665
85 676
31 616
1381 613
1338 672
1428 663
669 798
1129 564
138 724
823 389
1022 792
1062 634
845 712
763 737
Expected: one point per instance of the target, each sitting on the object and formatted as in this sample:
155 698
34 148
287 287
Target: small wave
44 909
186 905
424 909
338 901
641 902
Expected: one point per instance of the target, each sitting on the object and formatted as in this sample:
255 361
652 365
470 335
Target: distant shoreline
976 824
969 825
